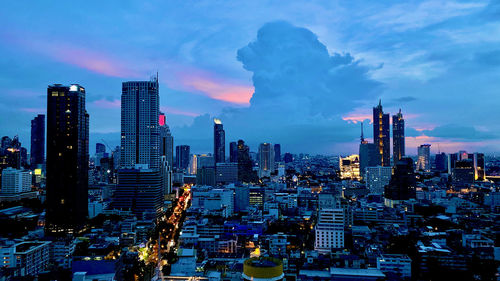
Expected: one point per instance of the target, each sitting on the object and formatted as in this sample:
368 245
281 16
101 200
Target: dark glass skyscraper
398 136
219 142
233 152
277 152
37 153
67 159
368 154
381 135
139 123
403 181
182 156
245 163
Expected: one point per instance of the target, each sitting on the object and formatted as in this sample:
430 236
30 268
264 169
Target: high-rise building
166 141
219 142
368 154
226 173
452 158
440 162
424 158
277 152
381 136
398 136
329 231
205 174
67 159
377 178
37 152
139 190
463 172
182 156
233 152
349 167
139 123
266 160
402 184
479 166
100 148
245 163
288 157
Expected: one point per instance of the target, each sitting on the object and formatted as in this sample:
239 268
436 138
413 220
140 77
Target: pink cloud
33 110
217 88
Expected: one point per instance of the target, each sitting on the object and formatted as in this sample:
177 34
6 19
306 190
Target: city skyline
208 76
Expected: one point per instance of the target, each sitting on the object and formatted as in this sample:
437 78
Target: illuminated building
381 136
166 141
329 230
349 167
37 152
139 123
266 160
219 142
193 163
479 166
424 158
256 196
463 173
15 181
398 136
67 159
263 269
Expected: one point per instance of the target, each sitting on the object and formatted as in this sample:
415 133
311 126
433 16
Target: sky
299 73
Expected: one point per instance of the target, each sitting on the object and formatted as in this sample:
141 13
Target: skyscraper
219 142
245 163
329 230
233 152
402 184
37 153
381 136
440 162
424 158
182 156
277 152
166 141
67 159
139 123
368 154
398 136
266 160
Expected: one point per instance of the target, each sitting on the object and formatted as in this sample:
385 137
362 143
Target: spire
362 136
380 102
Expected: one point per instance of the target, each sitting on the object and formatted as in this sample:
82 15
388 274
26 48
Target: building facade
398 136
219 142
381 136
37 149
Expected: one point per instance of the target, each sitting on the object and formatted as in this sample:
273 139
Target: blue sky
302 74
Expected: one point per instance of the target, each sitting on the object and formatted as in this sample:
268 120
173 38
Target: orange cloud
176 111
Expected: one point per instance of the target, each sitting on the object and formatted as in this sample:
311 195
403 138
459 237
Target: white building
266 160
32 257
329 230
15 181
424 158
377 178
395 263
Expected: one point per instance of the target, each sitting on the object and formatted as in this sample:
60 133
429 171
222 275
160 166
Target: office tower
205 170
349 167
368 154
37 152
402 184
452 158
6 142
15 181
67 159
233 152
266 160
440 162
277 152
166 141
226 173
479 166
288 157
219 142
245 163
100 153
139 123
256 196
381 136
463 173
182 156
193 162
139 190
377 178
398 136
424 158
329 230
241 198
166 175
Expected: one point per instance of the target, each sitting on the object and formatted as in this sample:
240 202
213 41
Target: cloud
459 132
301 92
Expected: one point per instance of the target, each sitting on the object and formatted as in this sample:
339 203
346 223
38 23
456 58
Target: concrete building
377 178
397 264
349 167
266 159
15 181
329 230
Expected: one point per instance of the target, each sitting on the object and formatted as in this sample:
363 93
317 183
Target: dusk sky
302 74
